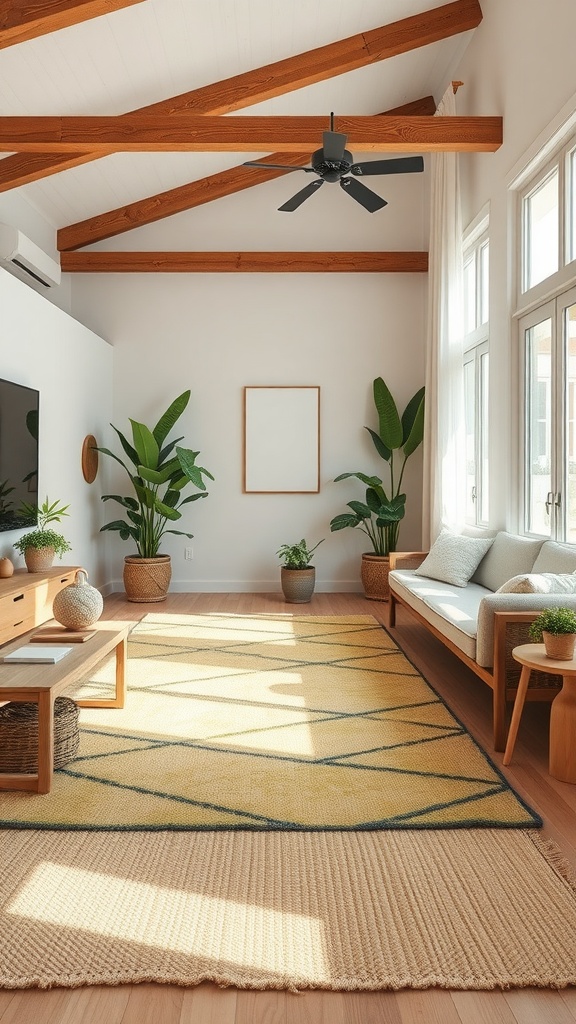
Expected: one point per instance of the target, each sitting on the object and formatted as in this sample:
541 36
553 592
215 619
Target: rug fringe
553 855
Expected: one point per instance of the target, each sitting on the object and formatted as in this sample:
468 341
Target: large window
476 257
548 347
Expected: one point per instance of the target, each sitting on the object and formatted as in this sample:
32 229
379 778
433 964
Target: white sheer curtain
444 436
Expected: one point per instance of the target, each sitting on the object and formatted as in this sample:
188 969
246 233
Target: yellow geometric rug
270 722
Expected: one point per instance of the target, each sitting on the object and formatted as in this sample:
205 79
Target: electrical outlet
188 554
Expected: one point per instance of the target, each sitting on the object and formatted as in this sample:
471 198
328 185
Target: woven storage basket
19 735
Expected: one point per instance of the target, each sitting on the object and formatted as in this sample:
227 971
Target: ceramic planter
298 584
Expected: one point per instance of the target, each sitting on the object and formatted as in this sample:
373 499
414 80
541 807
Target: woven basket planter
19 735
298 584
374 574
39 559
147 579
559 645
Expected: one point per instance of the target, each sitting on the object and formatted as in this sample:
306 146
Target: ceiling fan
335 163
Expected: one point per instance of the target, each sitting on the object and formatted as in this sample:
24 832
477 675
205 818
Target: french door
548 336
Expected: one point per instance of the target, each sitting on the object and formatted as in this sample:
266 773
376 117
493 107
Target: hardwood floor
469 698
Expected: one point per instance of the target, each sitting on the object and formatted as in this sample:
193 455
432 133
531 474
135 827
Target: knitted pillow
454 557
540 583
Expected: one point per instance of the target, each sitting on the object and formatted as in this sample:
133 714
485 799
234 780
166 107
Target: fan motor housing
331 170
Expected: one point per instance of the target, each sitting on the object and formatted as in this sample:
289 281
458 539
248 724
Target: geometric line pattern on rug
274 722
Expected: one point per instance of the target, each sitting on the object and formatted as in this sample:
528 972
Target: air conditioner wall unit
22 257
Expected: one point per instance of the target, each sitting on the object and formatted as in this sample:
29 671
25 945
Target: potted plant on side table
161 471
556 629
297 576
41 545
382 510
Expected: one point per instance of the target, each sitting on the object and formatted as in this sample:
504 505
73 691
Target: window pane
538 426
470 295
570 483
541 232
483 510
571 232
470 416
484 252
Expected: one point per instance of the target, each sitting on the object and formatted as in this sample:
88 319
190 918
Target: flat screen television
19 407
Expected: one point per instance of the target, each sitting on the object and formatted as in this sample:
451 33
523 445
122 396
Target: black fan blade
400 165
301 196
333 146
365 196
278 167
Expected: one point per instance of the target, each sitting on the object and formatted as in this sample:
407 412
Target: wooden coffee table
562 755
42 683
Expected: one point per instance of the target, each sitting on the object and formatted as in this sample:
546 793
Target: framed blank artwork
281 440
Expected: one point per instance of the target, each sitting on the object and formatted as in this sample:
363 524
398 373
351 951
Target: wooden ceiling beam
193 133
241 91
195 193
244 262
27 19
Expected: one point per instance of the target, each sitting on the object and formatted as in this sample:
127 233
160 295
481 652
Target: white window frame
476 345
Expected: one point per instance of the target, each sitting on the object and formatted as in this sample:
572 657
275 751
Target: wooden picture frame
281 440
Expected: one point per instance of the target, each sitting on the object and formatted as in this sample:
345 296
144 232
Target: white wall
44 348
520 63
217 333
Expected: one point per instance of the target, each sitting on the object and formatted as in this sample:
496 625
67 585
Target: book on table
36 655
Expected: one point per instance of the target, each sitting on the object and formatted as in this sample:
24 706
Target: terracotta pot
559 645
147 579
298 584
6 568
374 574
39 559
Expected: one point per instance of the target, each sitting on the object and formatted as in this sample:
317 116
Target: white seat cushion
453 610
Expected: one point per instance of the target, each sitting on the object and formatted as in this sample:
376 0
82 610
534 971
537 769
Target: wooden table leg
562 758
517 713
45 740
121 658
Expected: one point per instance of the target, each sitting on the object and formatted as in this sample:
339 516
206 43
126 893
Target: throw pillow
454 557
540 583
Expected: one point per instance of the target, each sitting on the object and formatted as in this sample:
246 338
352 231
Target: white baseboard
241 587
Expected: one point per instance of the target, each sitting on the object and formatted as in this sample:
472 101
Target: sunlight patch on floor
190 923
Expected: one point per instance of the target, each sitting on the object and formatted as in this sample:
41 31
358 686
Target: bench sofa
483 617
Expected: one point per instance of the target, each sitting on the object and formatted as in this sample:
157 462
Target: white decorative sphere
79 605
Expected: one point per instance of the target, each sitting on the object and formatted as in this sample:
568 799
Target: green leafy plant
552 620
397 438
160 470
43 537
297 556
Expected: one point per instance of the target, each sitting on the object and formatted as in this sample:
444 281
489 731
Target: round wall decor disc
89 459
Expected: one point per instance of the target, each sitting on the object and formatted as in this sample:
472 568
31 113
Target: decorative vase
147 579
374 575
6 568
79 605
39 559
559 646
298 584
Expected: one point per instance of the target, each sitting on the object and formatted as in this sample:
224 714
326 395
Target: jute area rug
270 722
461 909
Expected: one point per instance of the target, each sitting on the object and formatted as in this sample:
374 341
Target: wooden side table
562 756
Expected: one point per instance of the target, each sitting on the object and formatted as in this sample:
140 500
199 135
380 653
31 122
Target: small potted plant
556 628
297 576
41 545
